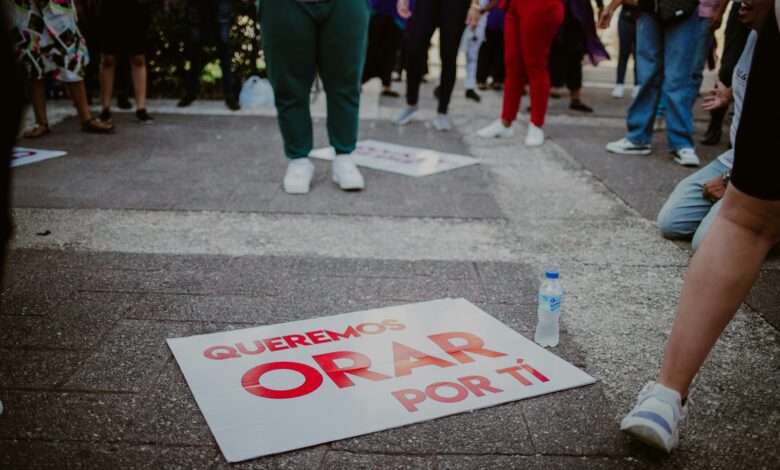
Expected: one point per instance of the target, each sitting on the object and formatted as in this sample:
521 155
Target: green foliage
169 34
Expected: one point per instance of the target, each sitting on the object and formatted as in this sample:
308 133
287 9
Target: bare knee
138 61
755 215
108 61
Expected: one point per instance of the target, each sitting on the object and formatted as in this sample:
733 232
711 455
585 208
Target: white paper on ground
409 161
24 156
411 378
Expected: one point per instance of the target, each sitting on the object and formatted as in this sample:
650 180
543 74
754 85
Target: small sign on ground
409 161
25 156
281 387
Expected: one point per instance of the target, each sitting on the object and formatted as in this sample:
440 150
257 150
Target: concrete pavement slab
371 461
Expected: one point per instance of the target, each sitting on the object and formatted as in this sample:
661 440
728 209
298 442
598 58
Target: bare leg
725 267
38 98
575 95
78 93
107 73
138 71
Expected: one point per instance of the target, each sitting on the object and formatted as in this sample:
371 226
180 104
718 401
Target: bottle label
550 303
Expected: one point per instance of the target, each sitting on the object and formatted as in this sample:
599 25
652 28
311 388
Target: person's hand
715 21
473 16
605 18
714 189
403 9
718 98
631 3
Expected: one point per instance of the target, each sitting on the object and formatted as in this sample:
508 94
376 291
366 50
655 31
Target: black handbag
675 11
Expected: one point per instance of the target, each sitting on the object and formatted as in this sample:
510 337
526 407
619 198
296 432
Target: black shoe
143 117
712 136
473 95
555 95
232 104
390 93
498 86
186 101
482 86
105 115
436 93
122 102
580 106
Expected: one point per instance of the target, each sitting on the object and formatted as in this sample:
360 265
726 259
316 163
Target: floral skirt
47 39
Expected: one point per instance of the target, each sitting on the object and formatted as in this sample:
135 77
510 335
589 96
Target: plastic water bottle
550 299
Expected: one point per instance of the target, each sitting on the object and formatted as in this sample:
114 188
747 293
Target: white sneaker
405 116
535 136
496 129
686 157
635 91
618 91
346 174
297 180
442 123
656 417
626 147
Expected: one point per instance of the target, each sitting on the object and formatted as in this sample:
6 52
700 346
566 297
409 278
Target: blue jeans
196 16
703 44
663 60
627 35
687 213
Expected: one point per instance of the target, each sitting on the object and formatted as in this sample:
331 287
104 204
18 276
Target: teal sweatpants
302 39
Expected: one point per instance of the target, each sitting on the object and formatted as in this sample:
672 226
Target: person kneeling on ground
301 38
695 202
729 259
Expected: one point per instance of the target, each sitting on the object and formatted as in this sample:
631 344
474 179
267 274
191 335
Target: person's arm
717 17
476 12
606 15
403 9
720 97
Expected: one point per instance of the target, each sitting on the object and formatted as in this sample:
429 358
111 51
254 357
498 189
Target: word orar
406 359
306 339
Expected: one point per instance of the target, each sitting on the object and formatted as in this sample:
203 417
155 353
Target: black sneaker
123 102
473 95
143 117
186 101
580 106
232 104
390 93
105 115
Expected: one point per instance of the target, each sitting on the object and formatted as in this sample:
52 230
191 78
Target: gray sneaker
442 123
405 116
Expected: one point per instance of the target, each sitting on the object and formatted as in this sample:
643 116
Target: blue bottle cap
552 274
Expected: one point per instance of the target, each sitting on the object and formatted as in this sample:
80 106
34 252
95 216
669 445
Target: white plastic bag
256 93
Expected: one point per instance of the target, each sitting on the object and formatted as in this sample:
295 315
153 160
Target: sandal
97 127
39 130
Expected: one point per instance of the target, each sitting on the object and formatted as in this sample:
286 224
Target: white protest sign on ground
409 161
281 387
24 156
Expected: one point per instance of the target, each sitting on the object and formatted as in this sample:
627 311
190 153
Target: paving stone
509 282
130 357
33 369
183 282
490 430
765 296
38 292
372 461
341 267
426 288
559 421
256 275
304 459
460 462
169 414
65 416
78 323
199 263
98 261
57 455
228 309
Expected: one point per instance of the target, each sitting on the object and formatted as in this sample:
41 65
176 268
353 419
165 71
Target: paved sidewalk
182 228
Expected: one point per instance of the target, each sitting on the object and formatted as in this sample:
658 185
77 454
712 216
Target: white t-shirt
738 86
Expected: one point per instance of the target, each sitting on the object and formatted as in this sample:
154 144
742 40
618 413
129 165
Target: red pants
529 30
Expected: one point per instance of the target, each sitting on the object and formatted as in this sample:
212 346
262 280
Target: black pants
384 42
450 17
736 36
566 54
491 57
